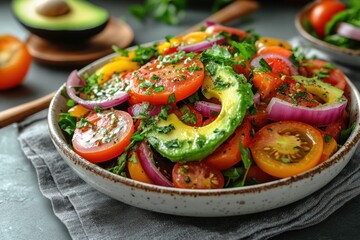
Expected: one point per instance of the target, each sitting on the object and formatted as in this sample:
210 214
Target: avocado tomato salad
216 108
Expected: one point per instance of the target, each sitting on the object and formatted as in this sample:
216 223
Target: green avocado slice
185 143
82 21
82 15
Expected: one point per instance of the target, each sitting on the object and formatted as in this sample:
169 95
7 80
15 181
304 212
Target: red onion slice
256 61
208 109
348 30
203 45
146 160
257 98
74 81
138 108
318 116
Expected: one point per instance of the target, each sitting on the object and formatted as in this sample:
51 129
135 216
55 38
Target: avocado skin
186 143
66 36
83 24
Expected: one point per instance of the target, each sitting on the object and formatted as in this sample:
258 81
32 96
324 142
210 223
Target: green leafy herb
327 138
345 134
244 50
119 168
172 98
67 123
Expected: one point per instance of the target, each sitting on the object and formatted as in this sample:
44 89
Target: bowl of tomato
332 27
207 124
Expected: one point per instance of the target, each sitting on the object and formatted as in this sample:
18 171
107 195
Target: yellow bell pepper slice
118 66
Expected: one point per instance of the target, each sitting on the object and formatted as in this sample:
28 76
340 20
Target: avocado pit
53 8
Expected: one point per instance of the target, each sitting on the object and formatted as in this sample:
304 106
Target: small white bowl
345 56
209 203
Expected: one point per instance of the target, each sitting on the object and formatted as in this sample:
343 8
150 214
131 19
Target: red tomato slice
197 175
313 67
103 136
321 14
334 129
189 115
286 148
266 82
14 62
155 82
256 176
228 154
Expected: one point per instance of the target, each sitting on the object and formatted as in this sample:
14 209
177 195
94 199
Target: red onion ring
318 116
203 45
255 62
348 30
145 158
207 109
74 81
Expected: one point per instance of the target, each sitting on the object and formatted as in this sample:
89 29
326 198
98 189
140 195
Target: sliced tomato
266 83
330 147
15 61
275 49
220 28
277 64
103 136
157 81
334 129
292 92
268 41
228 154
256 176
189 115
243 68
197 175
321 14
135 169
325 70
259 118
286 148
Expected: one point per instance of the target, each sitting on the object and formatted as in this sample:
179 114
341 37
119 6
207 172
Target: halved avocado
61 20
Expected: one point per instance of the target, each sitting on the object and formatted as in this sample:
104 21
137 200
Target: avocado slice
61 20
185 143
325 91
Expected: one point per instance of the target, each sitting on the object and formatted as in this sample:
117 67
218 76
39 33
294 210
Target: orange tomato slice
286 148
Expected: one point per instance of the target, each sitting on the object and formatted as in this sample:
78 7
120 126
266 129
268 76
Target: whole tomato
15 61
321 14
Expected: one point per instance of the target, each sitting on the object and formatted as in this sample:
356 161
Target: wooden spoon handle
20 112
232 11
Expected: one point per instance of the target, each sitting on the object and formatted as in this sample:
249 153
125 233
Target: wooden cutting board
80 54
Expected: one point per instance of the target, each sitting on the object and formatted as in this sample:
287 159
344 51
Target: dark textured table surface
26 214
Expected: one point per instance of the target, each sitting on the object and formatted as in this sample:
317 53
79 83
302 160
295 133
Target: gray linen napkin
89 214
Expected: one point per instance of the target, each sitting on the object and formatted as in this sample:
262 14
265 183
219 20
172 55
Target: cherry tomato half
228 154
156 81
103 136
286 148
15 61
197 175
321 14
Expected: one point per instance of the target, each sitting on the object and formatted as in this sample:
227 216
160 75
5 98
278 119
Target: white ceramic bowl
223 202
337 54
